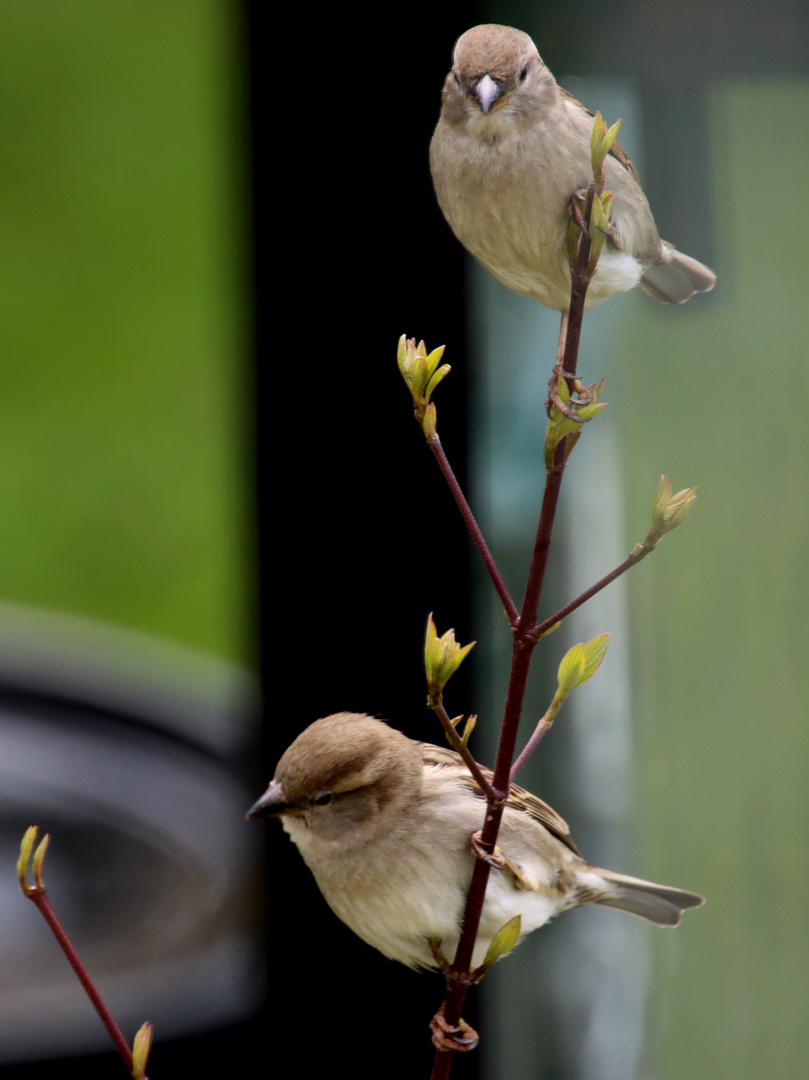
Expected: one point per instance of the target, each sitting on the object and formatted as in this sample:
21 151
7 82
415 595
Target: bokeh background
215 222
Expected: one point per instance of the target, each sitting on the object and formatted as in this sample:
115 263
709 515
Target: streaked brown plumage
384 824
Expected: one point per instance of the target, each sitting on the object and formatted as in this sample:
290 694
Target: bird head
342 772
494 69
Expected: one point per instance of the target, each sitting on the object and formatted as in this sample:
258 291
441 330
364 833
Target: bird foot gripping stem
576 386
448 1037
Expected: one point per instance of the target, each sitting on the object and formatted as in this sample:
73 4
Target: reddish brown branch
578 291
562 613
458 980
457 744
540 731
39 897
474 530
459 974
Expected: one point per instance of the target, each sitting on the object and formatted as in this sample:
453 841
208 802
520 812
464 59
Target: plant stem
457 744
522 651
578 290
540 731
474 529
459 973
562 613
39 897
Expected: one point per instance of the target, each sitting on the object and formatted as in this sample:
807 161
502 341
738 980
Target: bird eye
323 798
524 73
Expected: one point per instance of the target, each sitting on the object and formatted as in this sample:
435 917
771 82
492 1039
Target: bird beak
273 803
487 93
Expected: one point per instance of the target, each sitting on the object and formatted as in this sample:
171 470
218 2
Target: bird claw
459 1037
575 213
565 410
500 861
495 858
584 396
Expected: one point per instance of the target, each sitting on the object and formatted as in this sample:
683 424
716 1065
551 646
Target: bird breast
409 882
505 211
506 198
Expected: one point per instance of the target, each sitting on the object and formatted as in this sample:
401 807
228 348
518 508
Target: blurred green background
719 621
122 317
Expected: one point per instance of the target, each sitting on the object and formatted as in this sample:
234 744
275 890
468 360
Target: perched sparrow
510 149
385 823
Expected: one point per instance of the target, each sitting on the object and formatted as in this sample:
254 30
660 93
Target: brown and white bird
510 149
385 825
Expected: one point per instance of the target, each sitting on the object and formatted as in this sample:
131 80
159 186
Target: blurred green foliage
720 611
122 316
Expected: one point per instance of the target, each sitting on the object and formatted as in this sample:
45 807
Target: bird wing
616 150
518 798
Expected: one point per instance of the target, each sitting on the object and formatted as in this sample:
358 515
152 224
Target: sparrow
510 149
385 824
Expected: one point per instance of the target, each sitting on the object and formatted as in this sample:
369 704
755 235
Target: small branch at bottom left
134 1058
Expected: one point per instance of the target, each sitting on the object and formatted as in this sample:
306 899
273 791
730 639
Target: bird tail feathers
676 278
660 904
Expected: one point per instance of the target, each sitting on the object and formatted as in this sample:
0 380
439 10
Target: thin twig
458 745
459 974
560 346
562 613
578 293
540 731
474 529
39 897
